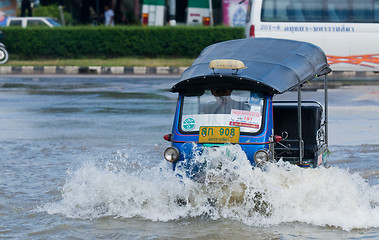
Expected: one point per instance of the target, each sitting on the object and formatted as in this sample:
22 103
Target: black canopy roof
273 65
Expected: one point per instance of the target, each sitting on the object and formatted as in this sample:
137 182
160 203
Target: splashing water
231 189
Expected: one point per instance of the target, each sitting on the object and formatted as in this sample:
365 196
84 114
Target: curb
91 70
336 75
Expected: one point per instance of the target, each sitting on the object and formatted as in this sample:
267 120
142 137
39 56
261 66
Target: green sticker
189 124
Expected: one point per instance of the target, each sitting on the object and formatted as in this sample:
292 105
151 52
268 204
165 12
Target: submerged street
82 157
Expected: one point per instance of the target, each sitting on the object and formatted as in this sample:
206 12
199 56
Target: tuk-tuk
227 98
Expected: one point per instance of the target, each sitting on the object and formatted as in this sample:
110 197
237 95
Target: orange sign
362 60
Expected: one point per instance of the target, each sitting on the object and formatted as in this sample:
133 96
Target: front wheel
3 55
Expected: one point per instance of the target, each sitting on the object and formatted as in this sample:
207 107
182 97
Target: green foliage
119 41
53 11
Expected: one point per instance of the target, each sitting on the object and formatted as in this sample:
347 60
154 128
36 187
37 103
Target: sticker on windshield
188 124
247 119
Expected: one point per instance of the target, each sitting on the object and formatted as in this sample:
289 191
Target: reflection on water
82 158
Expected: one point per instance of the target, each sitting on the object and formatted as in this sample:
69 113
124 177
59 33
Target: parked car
32 21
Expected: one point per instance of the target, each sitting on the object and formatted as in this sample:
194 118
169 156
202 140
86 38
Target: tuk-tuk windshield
243 109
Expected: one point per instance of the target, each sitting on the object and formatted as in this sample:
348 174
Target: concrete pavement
120 70
90 70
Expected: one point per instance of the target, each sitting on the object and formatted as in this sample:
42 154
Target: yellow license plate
219 134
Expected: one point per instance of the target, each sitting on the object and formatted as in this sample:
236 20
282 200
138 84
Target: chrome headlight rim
171 154
261 157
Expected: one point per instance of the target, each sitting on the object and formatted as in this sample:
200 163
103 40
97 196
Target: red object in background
145 19
206 21
252 31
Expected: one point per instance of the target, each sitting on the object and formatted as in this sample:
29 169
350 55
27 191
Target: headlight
261 157
172 154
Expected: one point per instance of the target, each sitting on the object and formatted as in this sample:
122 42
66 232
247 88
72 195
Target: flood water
82 158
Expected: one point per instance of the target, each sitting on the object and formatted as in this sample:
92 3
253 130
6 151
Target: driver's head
219 93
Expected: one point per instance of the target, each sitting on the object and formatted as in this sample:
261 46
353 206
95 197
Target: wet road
81 158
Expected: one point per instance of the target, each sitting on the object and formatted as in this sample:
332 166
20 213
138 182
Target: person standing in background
26 5
109 16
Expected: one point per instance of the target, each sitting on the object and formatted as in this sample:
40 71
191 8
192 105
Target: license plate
219 134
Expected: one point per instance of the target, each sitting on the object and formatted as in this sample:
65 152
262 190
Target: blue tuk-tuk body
226 97
249 143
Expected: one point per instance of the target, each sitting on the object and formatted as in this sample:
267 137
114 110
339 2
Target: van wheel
3 55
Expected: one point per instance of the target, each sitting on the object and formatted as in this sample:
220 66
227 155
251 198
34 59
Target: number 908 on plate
209 134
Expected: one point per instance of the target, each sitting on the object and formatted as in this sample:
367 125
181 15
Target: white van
32 22
153 13
347 30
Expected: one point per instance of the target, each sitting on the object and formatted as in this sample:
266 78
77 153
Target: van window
276 11
53 22
376 11
342 10
15 23
35 23
365 11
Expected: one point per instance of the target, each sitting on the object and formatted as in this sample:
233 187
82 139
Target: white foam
279 194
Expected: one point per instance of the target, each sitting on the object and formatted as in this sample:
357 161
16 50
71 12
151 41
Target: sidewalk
371 77
90 70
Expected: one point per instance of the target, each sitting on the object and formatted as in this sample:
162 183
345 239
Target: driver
224 103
